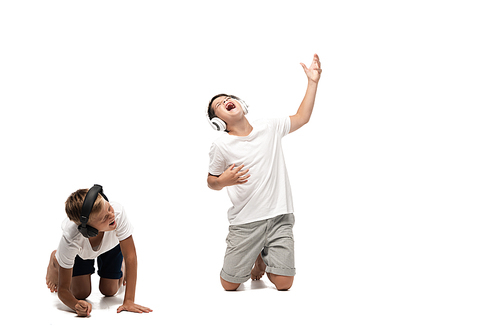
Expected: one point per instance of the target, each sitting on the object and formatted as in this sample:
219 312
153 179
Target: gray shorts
272 238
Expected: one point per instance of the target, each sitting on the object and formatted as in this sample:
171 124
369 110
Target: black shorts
109 264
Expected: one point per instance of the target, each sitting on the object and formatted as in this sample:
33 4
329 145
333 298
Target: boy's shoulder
219 140
279 125
69 229
272 121
259 125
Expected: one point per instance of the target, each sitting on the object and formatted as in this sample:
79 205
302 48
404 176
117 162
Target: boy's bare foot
52 273
259 269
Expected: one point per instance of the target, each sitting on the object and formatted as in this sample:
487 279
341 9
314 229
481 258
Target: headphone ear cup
244 106
218 124
88 231
92 232
83 230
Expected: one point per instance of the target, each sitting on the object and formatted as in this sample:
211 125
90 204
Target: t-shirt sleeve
282 125
216 164
124 227
66 253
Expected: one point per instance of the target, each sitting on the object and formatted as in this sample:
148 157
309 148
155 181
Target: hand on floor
132 307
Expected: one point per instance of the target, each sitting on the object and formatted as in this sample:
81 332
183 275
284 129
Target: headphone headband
88 204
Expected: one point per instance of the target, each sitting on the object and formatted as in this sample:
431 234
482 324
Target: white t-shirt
74 243
267 193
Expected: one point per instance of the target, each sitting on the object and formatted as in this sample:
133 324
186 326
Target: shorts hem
233 279
110 275
83 272
281 271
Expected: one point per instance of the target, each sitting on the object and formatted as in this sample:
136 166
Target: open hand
233 175
83 308
132 307
314 71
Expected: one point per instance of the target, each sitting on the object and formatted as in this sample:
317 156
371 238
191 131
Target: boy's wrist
311 82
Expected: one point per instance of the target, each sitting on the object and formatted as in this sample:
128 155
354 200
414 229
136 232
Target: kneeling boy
261 218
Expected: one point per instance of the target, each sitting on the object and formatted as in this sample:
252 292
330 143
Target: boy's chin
235 112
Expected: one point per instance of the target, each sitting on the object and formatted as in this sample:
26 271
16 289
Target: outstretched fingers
242 178
242 175
132 307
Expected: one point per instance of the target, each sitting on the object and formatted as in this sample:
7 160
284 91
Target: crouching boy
94 228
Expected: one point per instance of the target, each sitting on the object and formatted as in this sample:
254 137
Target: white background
395 179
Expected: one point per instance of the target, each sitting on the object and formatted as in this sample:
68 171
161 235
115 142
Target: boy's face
225 108
105 219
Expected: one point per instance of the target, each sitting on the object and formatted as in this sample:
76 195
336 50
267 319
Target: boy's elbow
297 122
212 183
213 187
305 120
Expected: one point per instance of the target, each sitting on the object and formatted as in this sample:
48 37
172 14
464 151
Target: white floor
190 309
256 306
348 303
395 179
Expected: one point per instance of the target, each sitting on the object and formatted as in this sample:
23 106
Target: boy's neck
241 129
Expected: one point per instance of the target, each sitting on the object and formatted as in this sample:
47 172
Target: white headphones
217 124
220 125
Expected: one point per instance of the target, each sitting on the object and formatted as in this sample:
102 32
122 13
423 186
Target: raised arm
306 107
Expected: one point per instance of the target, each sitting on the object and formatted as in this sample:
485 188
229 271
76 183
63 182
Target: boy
107 235
249 161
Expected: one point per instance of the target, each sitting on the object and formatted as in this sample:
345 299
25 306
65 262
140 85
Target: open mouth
112 223
230 106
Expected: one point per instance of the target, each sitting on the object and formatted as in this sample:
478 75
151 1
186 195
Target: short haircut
74 205
211 111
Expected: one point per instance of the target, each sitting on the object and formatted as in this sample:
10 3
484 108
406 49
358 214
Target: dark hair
211 111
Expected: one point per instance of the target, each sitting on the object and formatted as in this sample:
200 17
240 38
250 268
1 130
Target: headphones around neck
86 230
218 124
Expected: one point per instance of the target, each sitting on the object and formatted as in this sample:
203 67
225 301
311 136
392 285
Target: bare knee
81 287
81 291
282 283
108 291
109 287
228 286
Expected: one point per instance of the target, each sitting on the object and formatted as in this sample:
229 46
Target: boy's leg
258 270
282 283
228 286
110 270
244 243
278 253
81 283
81 286
109 287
